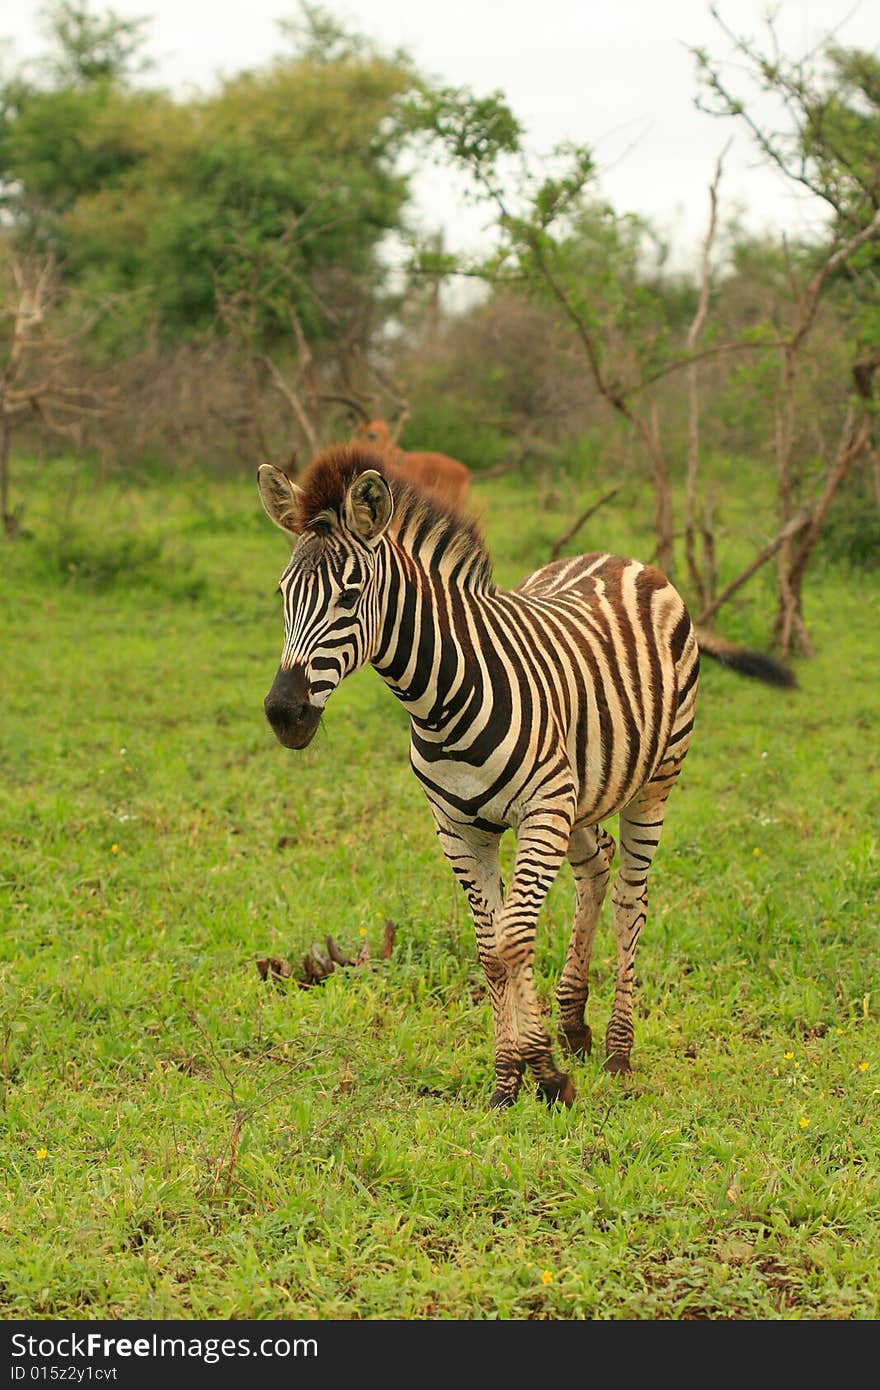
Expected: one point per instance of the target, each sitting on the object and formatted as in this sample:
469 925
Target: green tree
827 140
74 128
601 272
168 201
93 48
556 243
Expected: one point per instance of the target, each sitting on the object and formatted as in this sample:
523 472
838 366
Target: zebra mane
437 537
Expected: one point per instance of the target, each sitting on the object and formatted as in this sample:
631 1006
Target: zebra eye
348 598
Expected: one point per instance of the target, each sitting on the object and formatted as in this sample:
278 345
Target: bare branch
715 350
790 529
292 398
811 295
355 405
584 517
855 439
694 332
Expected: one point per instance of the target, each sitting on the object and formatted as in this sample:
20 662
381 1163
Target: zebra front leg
590 852
473 857
541 847
639 833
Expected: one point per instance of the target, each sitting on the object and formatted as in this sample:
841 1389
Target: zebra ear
368 505
280 498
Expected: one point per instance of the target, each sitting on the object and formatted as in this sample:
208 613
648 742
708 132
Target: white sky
615 75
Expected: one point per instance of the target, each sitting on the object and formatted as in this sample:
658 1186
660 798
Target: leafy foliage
171 200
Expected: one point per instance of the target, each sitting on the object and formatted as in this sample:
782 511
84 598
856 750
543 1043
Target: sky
615 75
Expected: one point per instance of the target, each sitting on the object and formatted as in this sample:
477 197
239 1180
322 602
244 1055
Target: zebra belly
494 797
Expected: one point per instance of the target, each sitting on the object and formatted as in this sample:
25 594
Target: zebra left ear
368 505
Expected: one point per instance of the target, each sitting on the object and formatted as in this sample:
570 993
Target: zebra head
331 606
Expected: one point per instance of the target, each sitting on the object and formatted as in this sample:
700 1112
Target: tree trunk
662 499
789 631
10 525
709 573
695 570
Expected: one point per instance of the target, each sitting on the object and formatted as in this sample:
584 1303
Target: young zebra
546 709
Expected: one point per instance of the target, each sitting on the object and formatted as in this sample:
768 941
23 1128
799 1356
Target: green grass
184 1139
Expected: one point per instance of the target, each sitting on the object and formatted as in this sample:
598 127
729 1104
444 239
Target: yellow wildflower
788 1056
547 1277
114 849
863 1066
41 1152
803 1122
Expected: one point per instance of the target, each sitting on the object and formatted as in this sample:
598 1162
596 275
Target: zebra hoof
560 1091
577 1041
617 1063
501 1100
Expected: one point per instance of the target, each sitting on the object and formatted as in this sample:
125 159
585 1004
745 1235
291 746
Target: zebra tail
745 661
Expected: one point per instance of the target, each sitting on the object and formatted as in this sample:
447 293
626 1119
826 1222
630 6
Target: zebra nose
292 718
286 698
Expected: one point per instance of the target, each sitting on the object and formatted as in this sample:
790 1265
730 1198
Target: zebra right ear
280 498
368 505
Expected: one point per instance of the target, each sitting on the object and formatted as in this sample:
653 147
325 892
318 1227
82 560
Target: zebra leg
541 848
590 852
639 832
473 858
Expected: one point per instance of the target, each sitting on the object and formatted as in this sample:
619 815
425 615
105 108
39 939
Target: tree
547 242
139 193
601 272
827 143
256 213
75 129
92 48
40 336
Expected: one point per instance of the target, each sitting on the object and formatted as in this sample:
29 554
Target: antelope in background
437 474
444 478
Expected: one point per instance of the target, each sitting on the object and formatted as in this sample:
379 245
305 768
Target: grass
182 1138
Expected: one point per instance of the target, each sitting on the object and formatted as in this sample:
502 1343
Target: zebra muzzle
287 707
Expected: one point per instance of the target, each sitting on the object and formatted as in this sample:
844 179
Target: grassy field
183 1138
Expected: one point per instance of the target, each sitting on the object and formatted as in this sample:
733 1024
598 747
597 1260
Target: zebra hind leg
590 852
639 827
639 833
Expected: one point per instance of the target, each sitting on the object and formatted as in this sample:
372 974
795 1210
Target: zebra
543 709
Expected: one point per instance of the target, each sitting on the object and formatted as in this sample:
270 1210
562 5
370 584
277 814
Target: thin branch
350 401
584 517
693 336
797 523
854 441
810 298
292 398
713 351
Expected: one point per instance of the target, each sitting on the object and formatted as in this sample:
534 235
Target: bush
125 561
851 535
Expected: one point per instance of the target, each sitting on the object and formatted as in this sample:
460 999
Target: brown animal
443 477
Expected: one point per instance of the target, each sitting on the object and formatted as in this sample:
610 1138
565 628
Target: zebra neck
426 649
